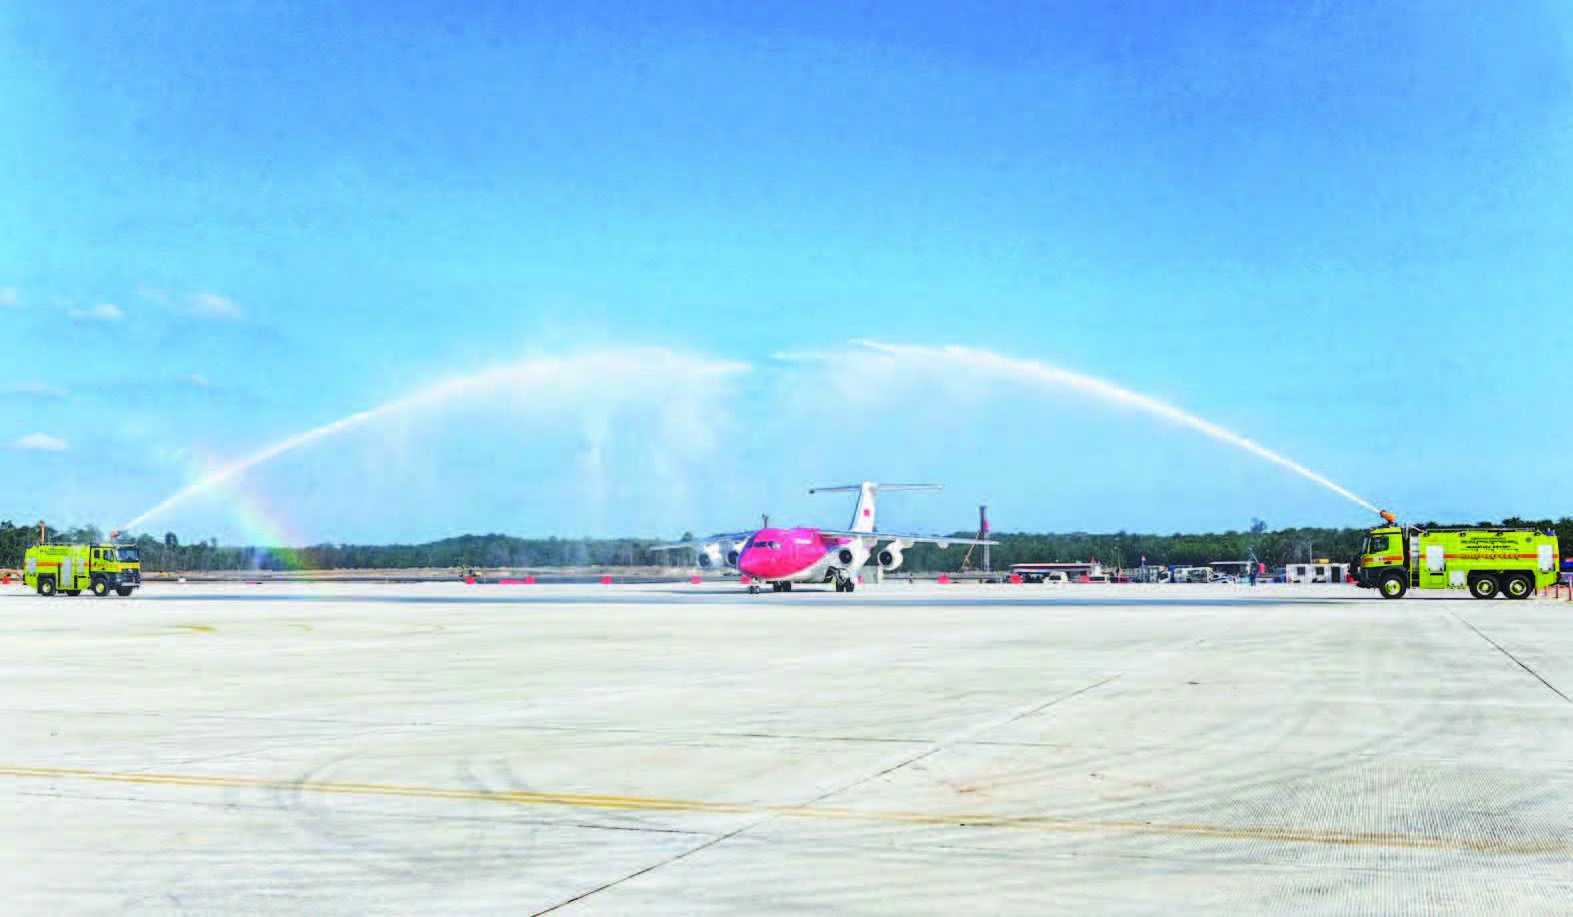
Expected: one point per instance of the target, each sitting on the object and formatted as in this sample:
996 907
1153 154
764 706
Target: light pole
983 530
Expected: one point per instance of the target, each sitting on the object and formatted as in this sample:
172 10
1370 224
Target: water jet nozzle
1391 519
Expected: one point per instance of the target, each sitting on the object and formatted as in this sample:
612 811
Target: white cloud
212 305
803 356
103 312
35 390
199 380
9 298
204 304
42 442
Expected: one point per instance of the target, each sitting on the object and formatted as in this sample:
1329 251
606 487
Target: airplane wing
701 543
941 540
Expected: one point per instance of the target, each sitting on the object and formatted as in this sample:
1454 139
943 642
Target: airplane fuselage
798 555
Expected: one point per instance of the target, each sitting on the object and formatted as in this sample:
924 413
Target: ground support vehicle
1089 572
72 568
1486 561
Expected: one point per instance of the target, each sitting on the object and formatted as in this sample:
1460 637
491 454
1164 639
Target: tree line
170 553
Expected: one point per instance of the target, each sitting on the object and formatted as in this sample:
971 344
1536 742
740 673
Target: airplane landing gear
753 588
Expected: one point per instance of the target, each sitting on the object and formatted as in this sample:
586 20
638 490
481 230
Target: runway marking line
198 628
971 820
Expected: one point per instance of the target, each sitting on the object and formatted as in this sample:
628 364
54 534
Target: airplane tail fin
863 516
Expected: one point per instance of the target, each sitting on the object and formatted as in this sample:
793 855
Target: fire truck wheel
122 591
1394 585
100 586
46 585
1484 586
1518 586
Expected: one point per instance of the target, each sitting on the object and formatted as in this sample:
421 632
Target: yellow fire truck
1486 561
71 568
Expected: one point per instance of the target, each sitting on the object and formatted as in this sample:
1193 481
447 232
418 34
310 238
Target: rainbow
260 527
266 531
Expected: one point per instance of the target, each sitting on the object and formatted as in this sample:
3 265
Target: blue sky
1340 229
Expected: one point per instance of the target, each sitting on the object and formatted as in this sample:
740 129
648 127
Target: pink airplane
782 557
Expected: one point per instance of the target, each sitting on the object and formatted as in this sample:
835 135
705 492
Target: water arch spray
1035 372
606 374
631 370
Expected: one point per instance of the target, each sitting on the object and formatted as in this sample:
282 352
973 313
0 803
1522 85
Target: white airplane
783 556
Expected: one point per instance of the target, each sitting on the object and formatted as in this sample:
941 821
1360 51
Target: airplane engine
709 556
890 558
846 557
732 556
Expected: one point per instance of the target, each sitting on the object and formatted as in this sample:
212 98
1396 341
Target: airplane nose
757 564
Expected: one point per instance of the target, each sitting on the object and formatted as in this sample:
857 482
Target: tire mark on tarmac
1049 823
769 814
960 738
